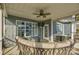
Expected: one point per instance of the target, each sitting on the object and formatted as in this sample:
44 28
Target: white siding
10 29
0 24
52 31
10 32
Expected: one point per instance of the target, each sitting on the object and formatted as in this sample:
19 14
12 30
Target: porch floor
14 50
11 51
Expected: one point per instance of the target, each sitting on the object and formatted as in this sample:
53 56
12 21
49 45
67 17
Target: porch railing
27 47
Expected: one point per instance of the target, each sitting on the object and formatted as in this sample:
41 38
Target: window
26 28
46 31
67 29
59 28
35 29
20 28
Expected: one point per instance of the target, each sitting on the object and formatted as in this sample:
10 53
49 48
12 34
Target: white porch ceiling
57 10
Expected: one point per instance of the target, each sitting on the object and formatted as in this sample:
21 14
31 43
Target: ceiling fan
42 13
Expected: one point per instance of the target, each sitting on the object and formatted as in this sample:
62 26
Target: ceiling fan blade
38 16
36 13
47 14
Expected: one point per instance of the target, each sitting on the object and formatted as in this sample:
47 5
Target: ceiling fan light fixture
42 13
